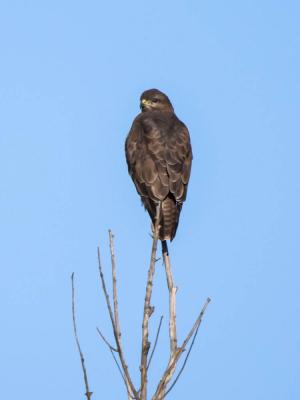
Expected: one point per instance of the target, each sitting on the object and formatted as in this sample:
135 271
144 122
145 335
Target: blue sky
71 74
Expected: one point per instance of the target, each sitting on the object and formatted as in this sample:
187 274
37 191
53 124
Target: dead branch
176 352
184 362
155 342
167 376
172 304
115 297
114 280
172 308
112 348
88 393
148 310
116 330
112 351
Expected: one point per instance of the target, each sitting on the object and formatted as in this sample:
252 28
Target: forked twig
112 348
88 393
160 391
112 351
188 353
115 295
117 334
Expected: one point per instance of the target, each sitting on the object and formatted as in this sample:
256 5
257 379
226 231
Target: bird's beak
144 103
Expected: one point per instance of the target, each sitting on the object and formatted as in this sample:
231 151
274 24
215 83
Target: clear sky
71 74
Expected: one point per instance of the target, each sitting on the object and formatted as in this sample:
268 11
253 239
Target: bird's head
153 99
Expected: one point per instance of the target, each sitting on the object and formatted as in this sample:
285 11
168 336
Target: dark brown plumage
159 158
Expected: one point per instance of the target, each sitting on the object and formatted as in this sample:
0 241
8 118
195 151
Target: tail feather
169 215
170 211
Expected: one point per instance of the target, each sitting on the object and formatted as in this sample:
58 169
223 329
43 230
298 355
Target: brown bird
159 159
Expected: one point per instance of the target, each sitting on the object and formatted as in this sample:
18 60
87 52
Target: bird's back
159 157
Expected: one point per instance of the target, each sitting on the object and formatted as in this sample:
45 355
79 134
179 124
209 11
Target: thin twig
114 280
106 341
174 359
129 385
112 350
172 304
115 293
88 393
197 324
156 340
185 360
172 307
148 310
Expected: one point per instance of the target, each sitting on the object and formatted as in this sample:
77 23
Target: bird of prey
159 159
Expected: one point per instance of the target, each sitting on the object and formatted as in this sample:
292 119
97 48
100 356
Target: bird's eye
155 100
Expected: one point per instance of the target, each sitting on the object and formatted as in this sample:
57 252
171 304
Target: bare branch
112 350
105 291
115 294
197 324
187 356
156 340
159 394
88 393
172 304
106 341
172 309
148 310
129 385
114 280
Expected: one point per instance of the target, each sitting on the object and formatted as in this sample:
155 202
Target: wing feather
159 158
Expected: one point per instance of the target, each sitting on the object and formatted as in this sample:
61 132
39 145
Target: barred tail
170 211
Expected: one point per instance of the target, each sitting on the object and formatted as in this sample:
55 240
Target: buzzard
159 159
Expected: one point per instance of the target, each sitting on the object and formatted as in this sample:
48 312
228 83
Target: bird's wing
159 156
178 156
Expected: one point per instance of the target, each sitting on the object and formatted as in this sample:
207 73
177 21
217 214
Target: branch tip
85 376
114 318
